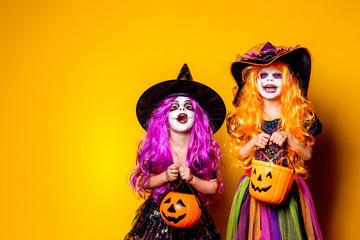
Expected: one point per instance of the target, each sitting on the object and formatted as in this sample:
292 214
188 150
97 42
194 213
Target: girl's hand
185 173
279 138
172 172
260 140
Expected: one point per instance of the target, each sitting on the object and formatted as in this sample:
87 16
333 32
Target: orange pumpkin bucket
269 182
180 210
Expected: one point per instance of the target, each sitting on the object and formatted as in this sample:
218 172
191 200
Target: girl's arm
158 180
280 137
208 187
259 141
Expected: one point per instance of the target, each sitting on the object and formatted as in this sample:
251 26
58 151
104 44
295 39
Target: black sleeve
315 128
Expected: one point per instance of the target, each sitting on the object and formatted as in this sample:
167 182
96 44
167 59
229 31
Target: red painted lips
182 118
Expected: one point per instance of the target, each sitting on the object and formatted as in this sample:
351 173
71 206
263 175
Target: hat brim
207 98
298 60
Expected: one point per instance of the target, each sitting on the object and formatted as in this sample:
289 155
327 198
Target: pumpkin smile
180 210
259 189
174 219
269 182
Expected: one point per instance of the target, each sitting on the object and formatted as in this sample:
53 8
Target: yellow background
72 72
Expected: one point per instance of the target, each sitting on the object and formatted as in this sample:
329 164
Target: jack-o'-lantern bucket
269 182
180 210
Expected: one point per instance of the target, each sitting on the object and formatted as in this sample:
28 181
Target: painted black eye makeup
189 106
174 106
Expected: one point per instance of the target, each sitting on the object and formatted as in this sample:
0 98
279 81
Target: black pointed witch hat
184 85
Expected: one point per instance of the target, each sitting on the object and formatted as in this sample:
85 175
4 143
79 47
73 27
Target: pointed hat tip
185 73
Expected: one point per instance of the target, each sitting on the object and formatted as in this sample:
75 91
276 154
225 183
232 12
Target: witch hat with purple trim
297 58
184 85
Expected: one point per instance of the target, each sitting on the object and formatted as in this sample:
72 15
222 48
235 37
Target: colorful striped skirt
293 219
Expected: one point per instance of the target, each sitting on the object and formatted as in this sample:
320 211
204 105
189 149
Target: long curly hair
297 115
154 153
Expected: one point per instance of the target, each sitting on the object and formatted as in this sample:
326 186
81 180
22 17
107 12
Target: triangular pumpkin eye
259 178
168 200
269 175
254 172
180 203
171 209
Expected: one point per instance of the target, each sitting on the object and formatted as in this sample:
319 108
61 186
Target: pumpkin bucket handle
197 198
281 162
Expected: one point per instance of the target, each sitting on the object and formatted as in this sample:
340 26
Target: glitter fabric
269 127
271 151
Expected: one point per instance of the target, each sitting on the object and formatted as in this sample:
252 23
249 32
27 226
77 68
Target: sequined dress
148 224
293 219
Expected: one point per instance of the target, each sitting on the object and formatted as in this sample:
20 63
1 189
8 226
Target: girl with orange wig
273 122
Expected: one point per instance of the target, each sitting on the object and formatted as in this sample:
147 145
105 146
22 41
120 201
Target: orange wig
297 115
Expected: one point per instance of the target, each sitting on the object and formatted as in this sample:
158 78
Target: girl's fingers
185 173
266 138
261 144
171 169
273 136
265 135
279 140
263 140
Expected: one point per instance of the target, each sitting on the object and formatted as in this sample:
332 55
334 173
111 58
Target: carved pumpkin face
270 182
180 209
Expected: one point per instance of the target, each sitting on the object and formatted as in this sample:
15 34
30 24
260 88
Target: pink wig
154 156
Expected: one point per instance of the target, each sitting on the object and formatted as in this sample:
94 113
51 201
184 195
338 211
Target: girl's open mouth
270 88
182 118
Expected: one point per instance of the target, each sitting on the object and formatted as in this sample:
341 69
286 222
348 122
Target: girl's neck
179 143
271 108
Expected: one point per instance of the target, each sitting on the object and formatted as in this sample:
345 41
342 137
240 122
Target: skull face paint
269 82
181 116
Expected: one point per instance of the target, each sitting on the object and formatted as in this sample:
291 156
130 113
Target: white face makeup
269 82
181 116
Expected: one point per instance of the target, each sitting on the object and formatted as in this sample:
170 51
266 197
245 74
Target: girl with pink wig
177 154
